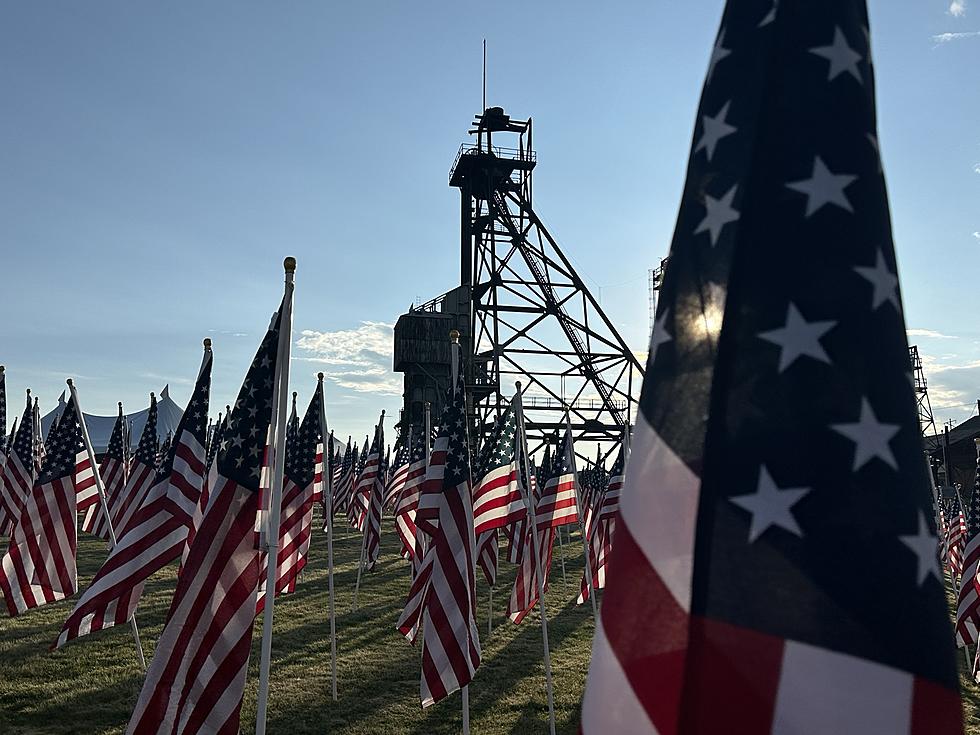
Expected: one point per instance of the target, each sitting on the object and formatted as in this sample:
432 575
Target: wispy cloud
356 359
947 37
957 8
977 235
931 333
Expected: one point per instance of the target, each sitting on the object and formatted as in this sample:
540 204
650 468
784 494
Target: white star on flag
842 57
823 187
924 545
770 506
885 282
714 129
718 53
659 335
798 338
719 214
870 437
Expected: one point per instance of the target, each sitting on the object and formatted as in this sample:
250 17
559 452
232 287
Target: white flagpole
275 496
586 542
326 486
100 486
367 513
539 574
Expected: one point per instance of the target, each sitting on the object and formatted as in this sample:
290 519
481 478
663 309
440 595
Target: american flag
408 502
444 593
599 526
497 500
216 436
3 418
558 505
968 599
18 471
955 539
344 487
157 530
399 474
113 473
196 680
368 496
296 514
39 566
777 456
142 474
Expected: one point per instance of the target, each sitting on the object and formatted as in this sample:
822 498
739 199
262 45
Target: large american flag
497 500
968 599
18 471
296 514
774 567
368 497
600 524
558 505
197 677
39 566
157 530
443 594
113 473
408 502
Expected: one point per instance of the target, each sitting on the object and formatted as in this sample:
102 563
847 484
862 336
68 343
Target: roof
100 427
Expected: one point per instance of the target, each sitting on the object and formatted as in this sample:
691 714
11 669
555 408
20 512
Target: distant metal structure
656 282
522 310
927 422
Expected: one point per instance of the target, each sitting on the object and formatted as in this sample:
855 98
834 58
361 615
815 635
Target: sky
160 159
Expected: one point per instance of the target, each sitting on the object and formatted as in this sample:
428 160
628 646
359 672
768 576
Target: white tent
100 427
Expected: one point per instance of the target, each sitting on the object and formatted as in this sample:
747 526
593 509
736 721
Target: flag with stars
196 680
112 470
39 566
142 474
558 505
444 591
968 598
600 524
497 500
955 539
18 471
296 509
399 474
777 456
157 529
3 417
344 486
368 498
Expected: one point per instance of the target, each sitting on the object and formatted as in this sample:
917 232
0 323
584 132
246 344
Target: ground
89 687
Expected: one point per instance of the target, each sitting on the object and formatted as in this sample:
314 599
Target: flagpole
275 496
367 511
100 486
586 541
539 574
326 486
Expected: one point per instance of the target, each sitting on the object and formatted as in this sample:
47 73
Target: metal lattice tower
927 422
531 316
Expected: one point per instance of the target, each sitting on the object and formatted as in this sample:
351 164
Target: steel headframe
532 317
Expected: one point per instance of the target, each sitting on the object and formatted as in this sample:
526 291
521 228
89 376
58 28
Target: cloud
977 235
947 37
976 168
931 333
355 359
957 8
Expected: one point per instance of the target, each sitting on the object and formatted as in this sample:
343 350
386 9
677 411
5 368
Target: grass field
90 686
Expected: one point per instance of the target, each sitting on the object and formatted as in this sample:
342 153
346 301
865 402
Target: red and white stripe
955 540
295 529
15 487
399 476
318 474
39 566
524 593
497 500
195 682
407 508
600 523
153 537
113 473
87 492
557 505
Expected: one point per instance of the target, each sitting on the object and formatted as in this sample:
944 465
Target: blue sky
159 160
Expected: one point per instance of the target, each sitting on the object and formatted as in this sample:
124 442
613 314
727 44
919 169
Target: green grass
91 685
